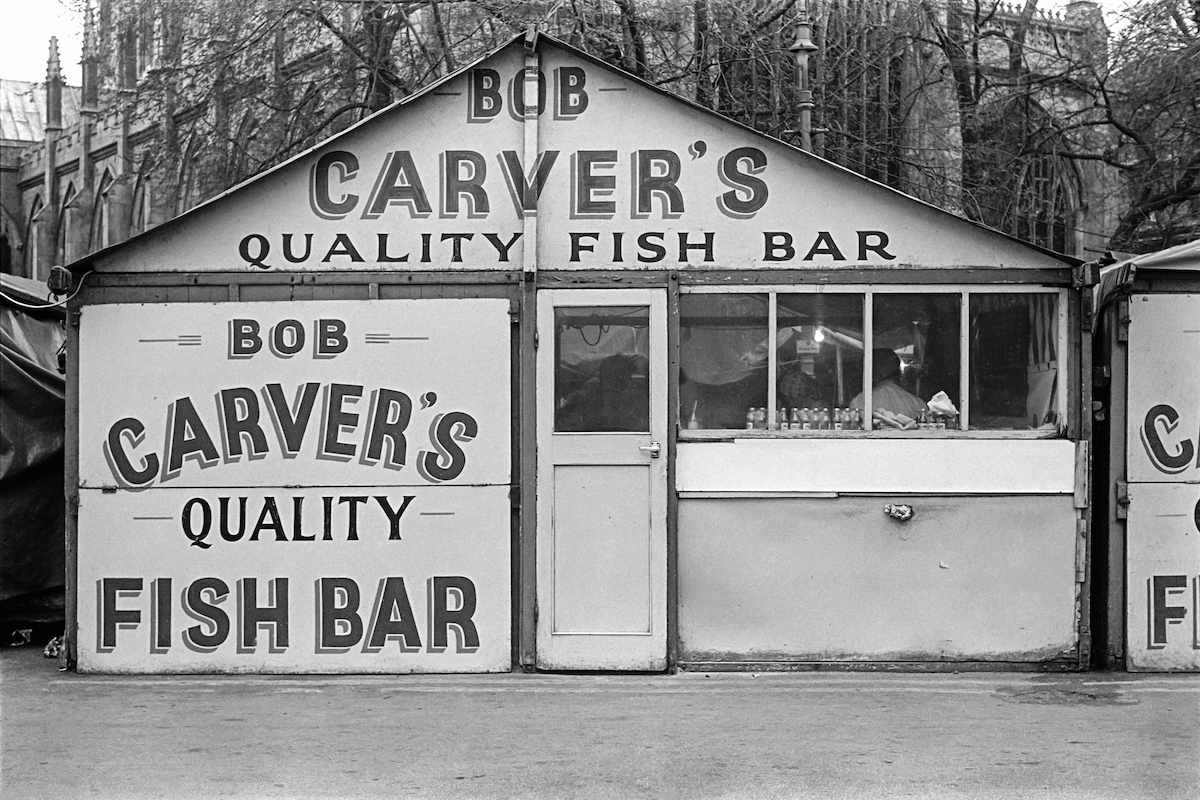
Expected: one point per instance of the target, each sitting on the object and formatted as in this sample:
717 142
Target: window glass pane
1014 361
820 365
601 375
722 359
916 356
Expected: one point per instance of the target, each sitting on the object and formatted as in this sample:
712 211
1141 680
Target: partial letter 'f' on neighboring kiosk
544 368
1147 493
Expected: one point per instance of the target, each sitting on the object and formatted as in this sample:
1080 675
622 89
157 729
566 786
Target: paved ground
547 736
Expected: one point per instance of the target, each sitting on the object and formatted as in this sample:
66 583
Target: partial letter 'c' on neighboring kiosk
545 368
1147 492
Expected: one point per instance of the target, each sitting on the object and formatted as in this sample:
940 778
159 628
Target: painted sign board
1164 388
1163 577
1163 445
615 175
295 487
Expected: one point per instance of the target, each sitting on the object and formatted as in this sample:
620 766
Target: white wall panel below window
942 466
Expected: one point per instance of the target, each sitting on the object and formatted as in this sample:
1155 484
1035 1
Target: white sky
27 25
25 30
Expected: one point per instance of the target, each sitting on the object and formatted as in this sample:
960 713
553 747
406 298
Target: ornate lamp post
802 47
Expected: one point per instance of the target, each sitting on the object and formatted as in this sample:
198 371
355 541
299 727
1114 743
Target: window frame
868 293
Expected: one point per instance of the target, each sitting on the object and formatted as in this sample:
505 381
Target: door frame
536 458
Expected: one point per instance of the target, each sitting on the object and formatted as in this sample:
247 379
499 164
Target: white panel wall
943 466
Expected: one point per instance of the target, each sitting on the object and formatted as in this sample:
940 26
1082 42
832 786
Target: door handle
653 449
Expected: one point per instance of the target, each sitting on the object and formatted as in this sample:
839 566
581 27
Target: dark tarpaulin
31 452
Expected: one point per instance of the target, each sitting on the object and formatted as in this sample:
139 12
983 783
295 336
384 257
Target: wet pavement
776 735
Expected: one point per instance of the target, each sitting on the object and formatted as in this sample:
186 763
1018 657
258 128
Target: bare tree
1151 99
978 106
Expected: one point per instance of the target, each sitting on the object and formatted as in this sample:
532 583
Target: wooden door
602 479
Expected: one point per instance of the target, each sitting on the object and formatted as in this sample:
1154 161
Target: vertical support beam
530 128
1116 528
1063 353
868 359
517 498
1078 359
69 654
964 362
673 416
526 554
1084 376
772 345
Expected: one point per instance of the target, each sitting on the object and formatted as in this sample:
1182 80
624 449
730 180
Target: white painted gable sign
617 174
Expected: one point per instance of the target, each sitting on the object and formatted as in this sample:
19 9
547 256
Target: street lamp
802 47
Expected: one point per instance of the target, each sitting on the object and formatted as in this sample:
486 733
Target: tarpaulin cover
1118 278
31 444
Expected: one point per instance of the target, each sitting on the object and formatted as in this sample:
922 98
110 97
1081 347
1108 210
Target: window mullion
868 358
772 358
964 362
1063 357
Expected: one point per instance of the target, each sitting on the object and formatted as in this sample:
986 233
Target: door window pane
723 359
601 375
915 357
1014 361
820 359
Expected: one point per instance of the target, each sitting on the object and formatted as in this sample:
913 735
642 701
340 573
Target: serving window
900 360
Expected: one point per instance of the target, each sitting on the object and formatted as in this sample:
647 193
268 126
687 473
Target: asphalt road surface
818 735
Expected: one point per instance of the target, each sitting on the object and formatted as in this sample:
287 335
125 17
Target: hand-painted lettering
463 173
1171 456
1163 588
111 617
377 438
451 602
451 607
570 96
655 174
398 184
594 194
320 196
447 460
202 602
129 430
273 615
738 169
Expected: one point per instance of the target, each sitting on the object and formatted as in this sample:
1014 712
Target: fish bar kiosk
544 368
1148 473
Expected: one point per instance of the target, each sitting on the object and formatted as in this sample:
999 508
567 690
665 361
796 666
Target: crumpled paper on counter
941 405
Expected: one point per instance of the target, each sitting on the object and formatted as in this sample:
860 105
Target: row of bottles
807 419
930 421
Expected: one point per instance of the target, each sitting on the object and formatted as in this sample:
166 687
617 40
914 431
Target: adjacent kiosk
1148 472
546 368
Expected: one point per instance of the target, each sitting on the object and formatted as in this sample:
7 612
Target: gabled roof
814 207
